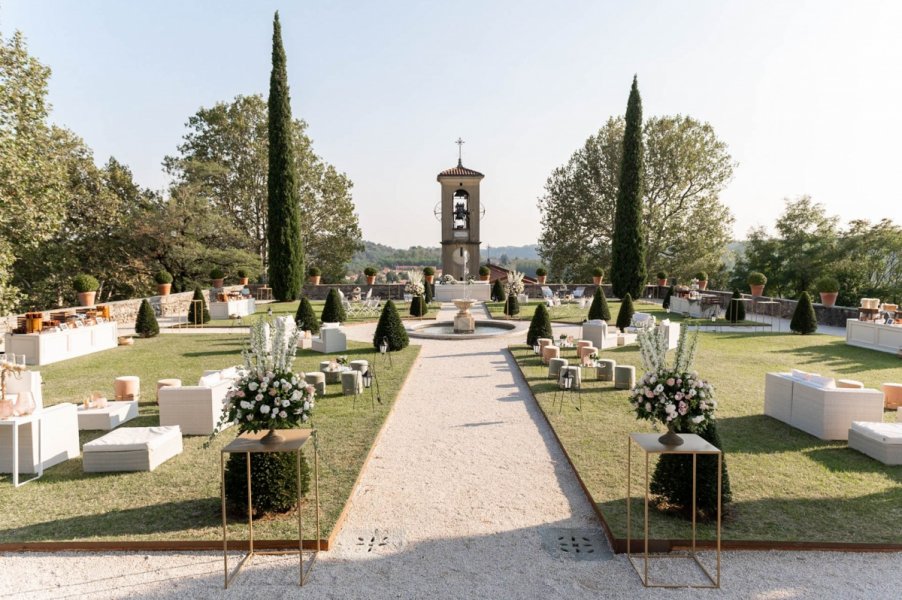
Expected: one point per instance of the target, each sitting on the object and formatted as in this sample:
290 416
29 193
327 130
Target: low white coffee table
111 416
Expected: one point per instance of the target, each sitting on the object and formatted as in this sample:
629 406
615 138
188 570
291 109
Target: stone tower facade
461 210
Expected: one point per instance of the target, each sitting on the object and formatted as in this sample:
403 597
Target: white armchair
196 409
331 339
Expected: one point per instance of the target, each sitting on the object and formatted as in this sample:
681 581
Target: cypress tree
599 308
198 312
539 327
666 304
390 327
625 316
735 308
804 319
146 324
333 311
283 226
427 293
305 317
628 244
512 306
497 291
417 306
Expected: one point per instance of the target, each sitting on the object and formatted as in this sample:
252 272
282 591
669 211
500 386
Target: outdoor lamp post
369 377
536 349
383 351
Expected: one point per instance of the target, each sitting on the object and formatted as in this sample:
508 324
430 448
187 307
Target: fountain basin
444 330
464 322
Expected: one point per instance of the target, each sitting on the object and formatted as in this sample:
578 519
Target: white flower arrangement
448 280
515 283
415 283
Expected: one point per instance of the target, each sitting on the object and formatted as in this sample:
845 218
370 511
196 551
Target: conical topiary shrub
599 308
667 296
512 306
672 480
333 311
625 316
390 328
539 327
497 291
804 319
417 306
146 324
198 312
735 308
305 317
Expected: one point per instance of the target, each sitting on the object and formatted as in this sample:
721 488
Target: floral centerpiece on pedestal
267 393
672 395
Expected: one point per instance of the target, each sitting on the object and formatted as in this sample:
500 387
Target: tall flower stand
694 445
293 440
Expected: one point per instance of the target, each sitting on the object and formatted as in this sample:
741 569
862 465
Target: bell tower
460 214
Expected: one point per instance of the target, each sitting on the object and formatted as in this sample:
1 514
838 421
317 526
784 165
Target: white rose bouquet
415 283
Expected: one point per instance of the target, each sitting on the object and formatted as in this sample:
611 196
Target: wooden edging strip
667 545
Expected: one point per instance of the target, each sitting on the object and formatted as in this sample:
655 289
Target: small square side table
14 423
293 440
692 445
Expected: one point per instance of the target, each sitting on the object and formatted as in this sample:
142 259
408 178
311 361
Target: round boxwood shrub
539 326
512 306
428 271
314 272
497 291
390 328
417 306
625 316
198 313
84 283
370 271
701 276
735 308
662 274
484 270
672 480
274 482
598 272
333 311
756 278
305 317
146 324
163 277
804 319
827 285
599 308
217 273
542 272
242 273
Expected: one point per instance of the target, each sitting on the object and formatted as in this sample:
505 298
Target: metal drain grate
576 544
375 541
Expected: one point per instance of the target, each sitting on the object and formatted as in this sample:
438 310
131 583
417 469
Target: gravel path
464 487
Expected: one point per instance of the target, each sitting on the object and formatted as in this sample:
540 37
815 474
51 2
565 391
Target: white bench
880 441
132 449
109 417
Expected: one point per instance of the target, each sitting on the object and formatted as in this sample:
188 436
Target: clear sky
808 95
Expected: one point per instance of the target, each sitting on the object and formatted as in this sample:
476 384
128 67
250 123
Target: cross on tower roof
460 144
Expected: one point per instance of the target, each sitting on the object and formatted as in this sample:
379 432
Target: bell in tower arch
460 210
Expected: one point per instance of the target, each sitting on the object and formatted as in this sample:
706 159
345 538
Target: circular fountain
464 322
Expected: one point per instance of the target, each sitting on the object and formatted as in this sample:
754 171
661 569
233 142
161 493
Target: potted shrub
662 278
242 276
597 275
828 288
217 276
484 273
87 287
702 280
314 273
370 273
756 282
541 275
164 282
428 274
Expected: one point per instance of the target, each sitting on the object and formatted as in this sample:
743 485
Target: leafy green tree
539 326
198 312
497 291
628 270
599 308
286 254
333 310
146 324
735 308
626 312
305 317
390 328
804 319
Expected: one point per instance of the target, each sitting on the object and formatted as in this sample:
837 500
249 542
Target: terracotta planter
757 290
314 279
163 289
541 279
242 281
483 278
217 283
86 298
370 279
703 284
597 280
828 299
662 283
429 278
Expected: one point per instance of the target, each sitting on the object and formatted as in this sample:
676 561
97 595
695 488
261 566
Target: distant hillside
528 252
380 255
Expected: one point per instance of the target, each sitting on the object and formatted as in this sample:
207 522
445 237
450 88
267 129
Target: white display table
478 290
875 336
224 310
698 308
46 348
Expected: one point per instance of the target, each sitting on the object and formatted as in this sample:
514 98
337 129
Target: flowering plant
673 395
267 394
415 283
448 280
515 283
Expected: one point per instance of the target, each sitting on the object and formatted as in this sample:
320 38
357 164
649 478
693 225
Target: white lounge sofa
813 404
880 441
196 409
331 339
59 440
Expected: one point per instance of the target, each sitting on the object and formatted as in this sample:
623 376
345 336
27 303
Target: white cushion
595 322
826 383
801 375
210 380
330 326
133 438
886 433
230 373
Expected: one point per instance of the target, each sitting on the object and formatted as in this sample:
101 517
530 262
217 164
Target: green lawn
787 485
180 500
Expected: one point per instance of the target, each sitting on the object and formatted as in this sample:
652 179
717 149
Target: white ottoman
132 449
360 365
351 383
111 416
880 441
624 377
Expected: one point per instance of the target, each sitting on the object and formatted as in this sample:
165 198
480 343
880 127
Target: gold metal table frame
694 445
249 443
